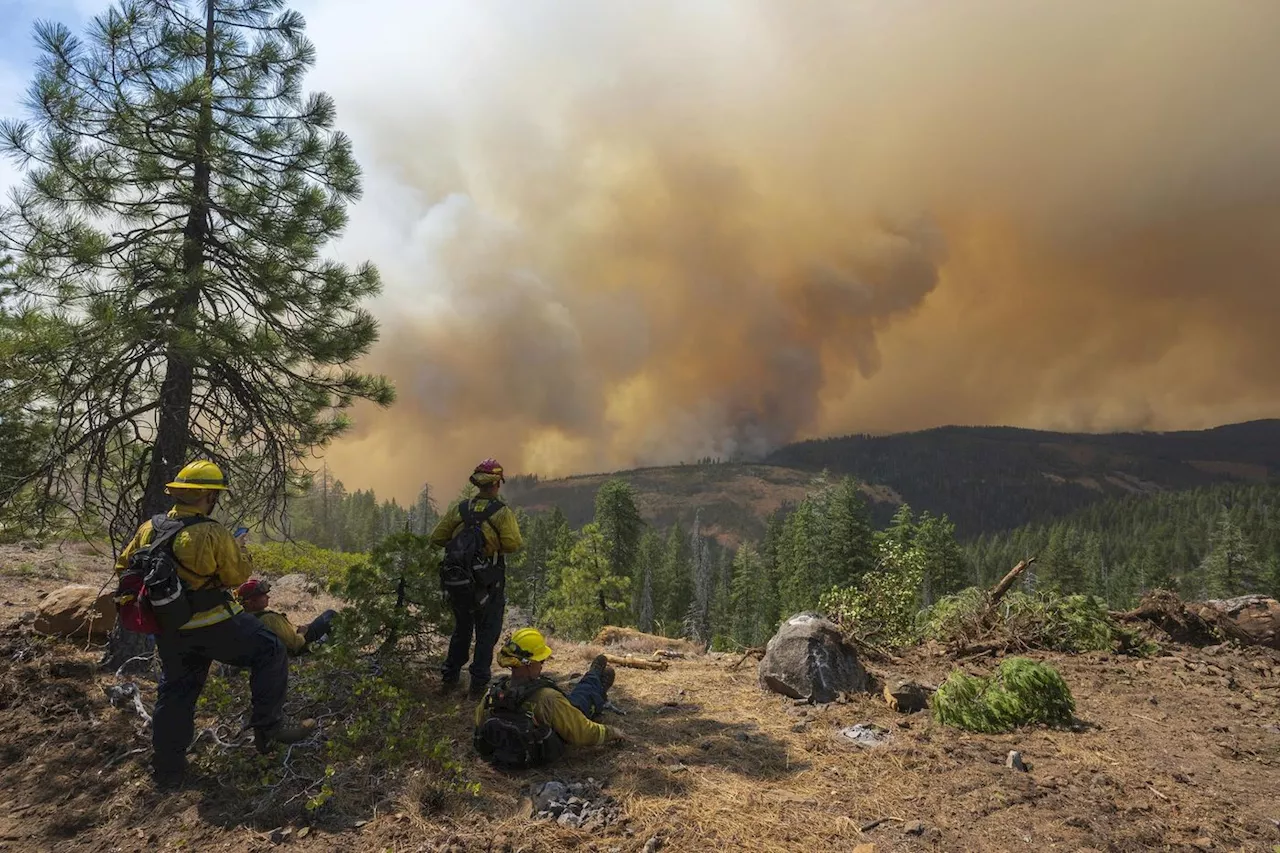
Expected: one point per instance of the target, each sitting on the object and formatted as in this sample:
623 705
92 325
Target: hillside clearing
1174 752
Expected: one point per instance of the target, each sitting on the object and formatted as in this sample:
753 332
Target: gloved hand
616 736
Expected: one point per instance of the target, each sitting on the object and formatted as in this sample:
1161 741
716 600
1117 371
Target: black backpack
465 573
156 566
511 737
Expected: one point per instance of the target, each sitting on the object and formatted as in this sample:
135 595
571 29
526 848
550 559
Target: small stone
742 736
1014 761
914 828
653 845
570 820
1203 843
801 726
705 745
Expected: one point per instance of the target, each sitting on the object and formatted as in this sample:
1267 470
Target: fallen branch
757 651
635 663
867 827
1003 587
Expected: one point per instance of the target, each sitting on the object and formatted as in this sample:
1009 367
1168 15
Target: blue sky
17 50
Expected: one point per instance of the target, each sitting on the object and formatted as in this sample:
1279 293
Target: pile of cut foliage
1025 621
1020 692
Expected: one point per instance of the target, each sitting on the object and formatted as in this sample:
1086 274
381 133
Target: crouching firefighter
176 574
524 720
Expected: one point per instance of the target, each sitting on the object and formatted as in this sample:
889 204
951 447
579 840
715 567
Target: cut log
637 663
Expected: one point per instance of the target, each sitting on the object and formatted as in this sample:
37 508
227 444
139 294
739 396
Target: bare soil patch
1179 752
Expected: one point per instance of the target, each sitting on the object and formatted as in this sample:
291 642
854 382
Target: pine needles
1021 692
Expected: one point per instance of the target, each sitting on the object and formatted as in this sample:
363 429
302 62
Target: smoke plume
618 234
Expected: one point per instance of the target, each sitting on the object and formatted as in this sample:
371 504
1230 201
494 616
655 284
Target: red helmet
488 472
252 587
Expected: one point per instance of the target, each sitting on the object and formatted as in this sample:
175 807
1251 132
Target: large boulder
809 659
1252 619
76 611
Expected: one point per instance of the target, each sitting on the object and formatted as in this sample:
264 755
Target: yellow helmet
199 475
525 646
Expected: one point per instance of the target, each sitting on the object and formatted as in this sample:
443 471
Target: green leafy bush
327 568
1021 692
881 607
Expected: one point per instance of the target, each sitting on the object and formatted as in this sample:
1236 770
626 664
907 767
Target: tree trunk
173 427
173 424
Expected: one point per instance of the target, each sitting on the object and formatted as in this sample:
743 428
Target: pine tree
589 594
621 525
944 567
651 548
673 586
1230 568
178 189
847 550
697 620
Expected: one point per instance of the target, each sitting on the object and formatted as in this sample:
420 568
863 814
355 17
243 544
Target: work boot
448 686
280 733
599 665
169 781
607 678
477 689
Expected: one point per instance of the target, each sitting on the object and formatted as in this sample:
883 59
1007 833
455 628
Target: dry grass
631 640
1177 749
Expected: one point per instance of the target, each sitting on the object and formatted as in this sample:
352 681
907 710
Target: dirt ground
1178 752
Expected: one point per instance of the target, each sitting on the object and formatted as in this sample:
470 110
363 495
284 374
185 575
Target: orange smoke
632 234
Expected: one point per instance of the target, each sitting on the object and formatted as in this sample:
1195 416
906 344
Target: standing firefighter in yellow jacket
476 534
210 561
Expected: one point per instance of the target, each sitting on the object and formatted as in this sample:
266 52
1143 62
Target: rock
809 659
1253 619
864 848
866 734
914 828
905 696
547 794
297 582
1014 761
742 736
801 726
653 845
76 611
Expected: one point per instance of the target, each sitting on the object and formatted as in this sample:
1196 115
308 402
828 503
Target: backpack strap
165 529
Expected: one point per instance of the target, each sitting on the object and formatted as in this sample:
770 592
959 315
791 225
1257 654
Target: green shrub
327 568
881 607
393 595
1021 692
380 734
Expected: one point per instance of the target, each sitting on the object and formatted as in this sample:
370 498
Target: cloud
616 234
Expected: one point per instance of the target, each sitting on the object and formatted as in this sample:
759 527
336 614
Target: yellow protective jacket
552 707
501 529
208 557
280 625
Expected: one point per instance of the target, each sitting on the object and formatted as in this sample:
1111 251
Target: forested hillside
986 479
995 478
1213 541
